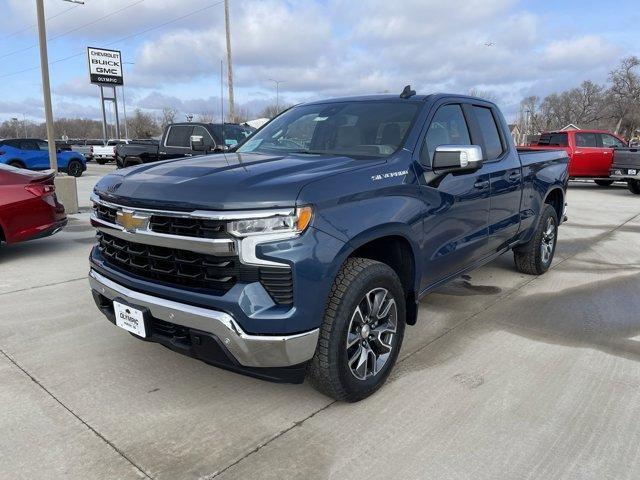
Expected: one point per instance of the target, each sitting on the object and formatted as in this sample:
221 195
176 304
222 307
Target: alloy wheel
548 241
370 337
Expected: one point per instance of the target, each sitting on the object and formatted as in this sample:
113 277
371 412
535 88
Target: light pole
46 88
232 106
277 82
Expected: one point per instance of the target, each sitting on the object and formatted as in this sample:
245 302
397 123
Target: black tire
329 370
604 183
16 164
634 186
101 161
530 258
74 168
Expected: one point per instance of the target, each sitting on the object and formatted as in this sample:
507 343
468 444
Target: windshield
356 129
233 134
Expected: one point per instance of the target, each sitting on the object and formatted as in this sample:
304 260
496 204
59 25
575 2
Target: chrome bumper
248 350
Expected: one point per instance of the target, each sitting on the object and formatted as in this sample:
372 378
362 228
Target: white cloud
336 47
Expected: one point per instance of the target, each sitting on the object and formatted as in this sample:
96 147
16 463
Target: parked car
626 167
85 147
176 142
33 154
106 153
307 250
590 152
29 208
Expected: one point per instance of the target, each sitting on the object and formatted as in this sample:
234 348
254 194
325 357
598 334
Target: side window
179 135
43 146
206 136
490 133
558 140
448 127
28 145
586 139
609 141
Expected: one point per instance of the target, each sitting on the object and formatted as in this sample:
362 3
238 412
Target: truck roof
585 130
387 97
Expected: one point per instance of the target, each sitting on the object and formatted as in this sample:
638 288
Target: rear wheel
74 168
634 186
361 333
535 256
604 183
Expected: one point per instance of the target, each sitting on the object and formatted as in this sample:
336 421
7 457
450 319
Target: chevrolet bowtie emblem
131 221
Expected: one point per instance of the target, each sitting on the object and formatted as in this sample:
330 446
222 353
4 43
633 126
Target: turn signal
304 218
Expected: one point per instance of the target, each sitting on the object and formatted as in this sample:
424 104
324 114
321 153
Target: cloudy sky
318 48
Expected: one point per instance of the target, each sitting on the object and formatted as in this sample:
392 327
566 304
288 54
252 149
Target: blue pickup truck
33 153
305 251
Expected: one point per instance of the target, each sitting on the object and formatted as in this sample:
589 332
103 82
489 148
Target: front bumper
214 336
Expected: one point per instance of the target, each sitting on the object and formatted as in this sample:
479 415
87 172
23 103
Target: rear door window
586 140
179 136
490 133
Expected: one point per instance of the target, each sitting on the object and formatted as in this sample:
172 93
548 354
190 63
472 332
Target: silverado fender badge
380 176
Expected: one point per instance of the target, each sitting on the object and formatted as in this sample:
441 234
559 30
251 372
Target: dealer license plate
129 318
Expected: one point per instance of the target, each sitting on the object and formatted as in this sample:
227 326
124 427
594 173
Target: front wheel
604 183
535 256
74 169
634 186
361 333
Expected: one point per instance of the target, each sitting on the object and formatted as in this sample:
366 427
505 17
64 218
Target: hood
231 181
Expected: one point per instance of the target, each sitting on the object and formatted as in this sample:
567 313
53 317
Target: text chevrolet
306 251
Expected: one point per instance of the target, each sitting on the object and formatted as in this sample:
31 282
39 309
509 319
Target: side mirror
196 142
222 148
457 157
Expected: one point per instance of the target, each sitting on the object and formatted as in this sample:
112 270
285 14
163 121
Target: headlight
295 223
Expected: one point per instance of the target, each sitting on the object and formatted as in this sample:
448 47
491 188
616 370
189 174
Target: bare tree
272 110
143 125
205 118
484 94
624 93
167 116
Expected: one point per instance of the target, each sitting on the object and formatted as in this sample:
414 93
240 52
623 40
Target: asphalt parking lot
504 376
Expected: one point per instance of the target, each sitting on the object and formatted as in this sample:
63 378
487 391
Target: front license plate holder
131 318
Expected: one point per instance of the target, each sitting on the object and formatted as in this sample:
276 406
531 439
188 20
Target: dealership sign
105 66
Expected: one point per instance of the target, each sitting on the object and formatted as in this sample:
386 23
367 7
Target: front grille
188 227
107 214
185 269
184 227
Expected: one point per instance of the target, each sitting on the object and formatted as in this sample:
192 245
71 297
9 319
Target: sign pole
46 88
104 115
115 107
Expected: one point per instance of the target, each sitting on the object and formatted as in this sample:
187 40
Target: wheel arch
398 252
555 198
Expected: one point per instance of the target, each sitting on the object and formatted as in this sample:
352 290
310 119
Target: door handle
514 176
481 184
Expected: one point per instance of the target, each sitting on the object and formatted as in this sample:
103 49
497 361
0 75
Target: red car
590 151
29 207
